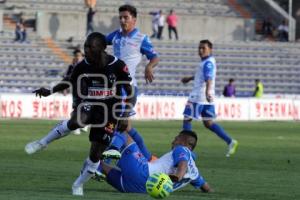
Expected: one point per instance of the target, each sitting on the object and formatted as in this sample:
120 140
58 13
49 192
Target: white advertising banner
29 106
153 107
159 107
274 109
232 109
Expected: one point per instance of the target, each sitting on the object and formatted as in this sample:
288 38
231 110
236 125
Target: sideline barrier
153 107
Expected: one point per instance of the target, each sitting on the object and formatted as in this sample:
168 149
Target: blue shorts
196 111
133 172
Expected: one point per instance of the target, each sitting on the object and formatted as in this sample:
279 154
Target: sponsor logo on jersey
100 93
112 78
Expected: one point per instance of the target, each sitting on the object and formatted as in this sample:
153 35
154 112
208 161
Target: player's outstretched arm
42 92
64 84
187 79
200 184
206 188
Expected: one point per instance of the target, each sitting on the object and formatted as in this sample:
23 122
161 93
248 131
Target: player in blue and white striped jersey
201 100
133 169
129 45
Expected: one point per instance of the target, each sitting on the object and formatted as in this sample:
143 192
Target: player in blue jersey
133 168
129 45
201 100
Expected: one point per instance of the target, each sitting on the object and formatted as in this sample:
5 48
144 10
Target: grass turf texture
266 165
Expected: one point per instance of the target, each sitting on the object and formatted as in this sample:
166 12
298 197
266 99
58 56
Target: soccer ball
159 185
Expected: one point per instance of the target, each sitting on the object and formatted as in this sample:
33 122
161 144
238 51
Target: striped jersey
206 70
168 164
130 48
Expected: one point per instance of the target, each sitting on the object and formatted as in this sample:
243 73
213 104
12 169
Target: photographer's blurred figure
259 89
283 31
90 20
229 89
20 32
78 56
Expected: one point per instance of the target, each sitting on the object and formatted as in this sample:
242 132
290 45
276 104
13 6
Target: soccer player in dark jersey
97 83
78 56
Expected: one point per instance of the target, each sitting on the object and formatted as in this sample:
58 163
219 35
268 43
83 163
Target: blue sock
118 141
140 142
217 129
187 125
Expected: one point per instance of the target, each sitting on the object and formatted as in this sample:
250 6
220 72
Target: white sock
89 170
59 131
86 128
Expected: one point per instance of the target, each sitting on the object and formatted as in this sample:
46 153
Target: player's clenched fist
42 92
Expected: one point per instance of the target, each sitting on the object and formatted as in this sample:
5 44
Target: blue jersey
168 164
206 70
135 170
130 48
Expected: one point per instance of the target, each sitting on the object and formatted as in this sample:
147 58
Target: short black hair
209 44
191 134
96 45
231 80
131 9
97 40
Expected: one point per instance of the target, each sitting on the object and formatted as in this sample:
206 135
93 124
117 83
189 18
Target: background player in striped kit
129 45
201 99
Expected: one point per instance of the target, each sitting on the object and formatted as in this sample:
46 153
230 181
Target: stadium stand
199 7
27 66
274 63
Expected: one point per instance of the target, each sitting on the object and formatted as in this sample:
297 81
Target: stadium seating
276 64
29 65
25 66
199 7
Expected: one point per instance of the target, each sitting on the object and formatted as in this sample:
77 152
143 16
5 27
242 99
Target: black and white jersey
91 84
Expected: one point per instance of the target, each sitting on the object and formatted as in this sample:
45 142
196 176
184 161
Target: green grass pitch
265 167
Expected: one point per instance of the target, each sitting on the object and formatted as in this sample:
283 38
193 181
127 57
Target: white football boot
111 153
77 190
34 146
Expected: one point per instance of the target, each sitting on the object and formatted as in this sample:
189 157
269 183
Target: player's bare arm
209 97
187 79
149 77
206 188
180 172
